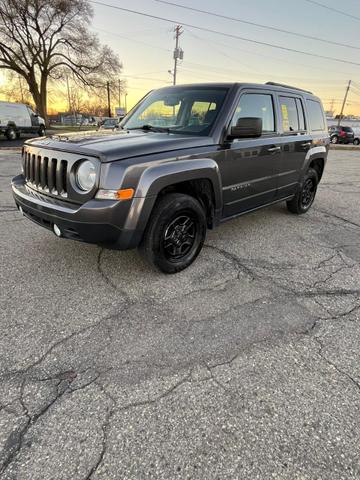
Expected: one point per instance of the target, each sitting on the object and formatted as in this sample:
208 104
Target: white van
17 118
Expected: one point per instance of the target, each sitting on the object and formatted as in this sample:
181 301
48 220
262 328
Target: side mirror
247 127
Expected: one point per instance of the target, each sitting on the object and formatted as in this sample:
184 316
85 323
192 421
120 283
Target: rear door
295 142
250 164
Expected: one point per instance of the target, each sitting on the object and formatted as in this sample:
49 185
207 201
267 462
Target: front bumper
96 221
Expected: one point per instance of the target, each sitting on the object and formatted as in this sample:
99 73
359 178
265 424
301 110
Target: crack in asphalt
234 259
338 217
107 279
330 362
114 409
15 441
330 276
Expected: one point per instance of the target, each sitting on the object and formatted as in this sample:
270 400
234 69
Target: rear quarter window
316 116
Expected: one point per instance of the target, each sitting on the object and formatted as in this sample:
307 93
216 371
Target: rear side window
256 105
316 115
292 114
289 115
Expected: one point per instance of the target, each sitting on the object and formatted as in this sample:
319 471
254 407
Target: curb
345 147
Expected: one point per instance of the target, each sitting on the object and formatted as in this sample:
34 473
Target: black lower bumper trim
89 232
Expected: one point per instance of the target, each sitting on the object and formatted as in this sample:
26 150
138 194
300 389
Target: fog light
21 210
57 230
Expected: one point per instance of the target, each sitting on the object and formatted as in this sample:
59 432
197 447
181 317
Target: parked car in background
109 124
17 118
356 136
341 134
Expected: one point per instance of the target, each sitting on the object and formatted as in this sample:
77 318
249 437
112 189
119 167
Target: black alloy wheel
308 193
179 236
305 196
175 233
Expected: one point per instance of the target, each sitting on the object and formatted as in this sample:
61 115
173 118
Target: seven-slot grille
45 173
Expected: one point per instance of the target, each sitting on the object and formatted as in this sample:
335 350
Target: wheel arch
199 178
316 159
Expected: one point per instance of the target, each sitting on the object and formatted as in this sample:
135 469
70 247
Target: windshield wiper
151 128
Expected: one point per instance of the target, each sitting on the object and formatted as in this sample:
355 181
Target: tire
175 233
41 131
305 197
11 134
334 139
356 141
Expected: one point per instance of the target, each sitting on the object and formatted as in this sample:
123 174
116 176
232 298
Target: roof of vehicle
268 85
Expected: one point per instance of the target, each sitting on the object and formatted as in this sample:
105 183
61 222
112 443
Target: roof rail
287 86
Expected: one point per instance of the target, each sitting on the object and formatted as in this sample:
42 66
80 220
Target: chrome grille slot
32 168
43 172
37 170
64 175
51 174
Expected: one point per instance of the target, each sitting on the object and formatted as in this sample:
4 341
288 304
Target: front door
249 170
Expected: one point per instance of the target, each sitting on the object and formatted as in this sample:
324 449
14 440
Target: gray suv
185 159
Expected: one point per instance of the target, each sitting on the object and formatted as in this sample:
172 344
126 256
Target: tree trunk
43 98
39 95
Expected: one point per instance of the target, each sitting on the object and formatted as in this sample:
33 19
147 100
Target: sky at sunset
145 45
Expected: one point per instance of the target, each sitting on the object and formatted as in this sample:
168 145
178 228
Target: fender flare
157 177
313 153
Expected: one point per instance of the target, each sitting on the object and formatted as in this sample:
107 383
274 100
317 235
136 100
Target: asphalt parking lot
5 143
245 366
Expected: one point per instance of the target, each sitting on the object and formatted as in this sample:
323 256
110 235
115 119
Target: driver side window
256 105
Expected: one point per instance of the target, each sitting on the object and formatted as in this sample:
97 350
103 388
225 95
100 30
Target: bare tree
42 40
15 89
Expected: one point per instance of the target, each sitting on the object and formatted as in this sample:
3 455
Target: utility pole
119 93
108 98
68 93
344 103
178 52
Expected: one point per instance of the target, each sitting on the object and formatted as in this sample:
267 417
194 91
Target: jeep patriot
186 158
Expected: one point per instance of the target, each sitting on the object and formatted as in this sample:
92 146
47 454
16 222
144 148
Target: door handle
274 149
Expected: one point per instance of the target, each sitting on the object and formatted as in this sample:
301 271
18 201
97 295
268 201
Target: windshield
186 110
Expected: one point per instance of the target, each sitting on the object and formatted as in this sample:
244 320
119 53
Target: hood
120 145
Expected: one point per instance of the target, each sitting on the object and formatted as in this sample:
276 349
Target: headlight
86 176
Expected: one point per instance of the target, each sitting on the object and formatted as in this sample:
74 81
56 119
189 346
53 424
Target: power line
218 32
340 12
250 52
268 27
217 69
133 40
